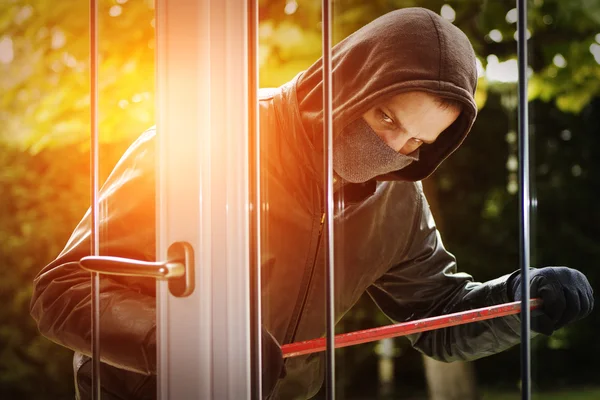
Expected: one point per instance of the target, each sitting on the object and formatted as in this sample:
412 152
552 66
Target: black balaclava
405 50
359 154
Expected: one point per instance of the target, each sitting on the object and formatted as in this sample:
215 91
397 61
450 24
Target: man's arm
61 302
427 284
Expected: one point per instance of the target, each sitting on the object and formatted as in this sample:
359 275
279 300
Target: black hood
404 50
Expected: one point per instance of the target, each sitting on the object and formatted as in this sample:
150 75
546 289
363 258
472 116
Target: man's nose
410 146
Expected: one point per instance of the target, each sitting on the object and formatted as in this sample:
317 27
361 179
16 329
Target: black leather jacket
389 247
386 244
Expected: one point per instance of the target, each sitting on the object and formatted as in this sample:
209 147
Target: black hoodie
404 50
386 243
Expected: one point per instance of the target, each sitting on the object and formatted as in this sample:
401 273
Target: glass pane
391 264
473 195
386 246
410 248
126 112
373 220
292 286
564 109
61 299
200 96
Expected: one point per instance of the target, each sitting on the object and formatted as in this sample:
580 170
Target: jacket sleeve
427 284
61 302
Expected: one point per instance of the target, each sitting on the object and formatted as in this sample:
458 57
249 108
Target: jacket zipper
312 272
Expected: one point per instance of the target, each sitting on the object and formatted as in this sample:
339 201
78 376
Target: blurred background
44 187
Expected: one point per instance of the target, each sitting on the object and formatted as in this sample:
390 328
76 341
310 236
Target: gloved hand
566 293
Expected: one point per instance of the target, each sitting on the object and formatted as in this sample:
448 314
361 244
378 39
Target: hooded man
403 102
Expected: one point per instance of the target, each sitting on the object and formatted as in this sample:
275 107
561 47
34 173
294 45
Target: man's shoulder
404 195
267 93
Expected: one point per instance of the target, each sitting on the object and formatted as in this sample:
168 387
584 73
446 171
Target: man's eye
383 117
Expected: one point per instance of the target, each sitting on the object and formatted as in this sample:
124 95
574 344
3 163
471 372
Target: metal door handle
178 269
129 267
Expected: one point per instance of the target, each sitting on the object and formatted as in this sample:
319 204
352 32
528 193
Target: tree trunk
450 381
386 367
446 381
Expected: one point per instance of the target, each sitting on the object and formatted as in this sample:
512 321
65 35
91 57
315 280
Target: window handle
178 269
129 267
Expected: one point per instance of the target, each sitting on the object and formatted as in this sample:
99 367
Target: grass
574 394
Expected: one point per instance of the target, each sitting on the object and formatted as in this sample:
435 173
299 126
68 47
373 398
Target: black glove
566 293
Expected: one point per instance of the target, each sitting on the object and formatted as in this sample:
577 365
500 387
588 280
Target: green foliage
44 195
41 199
482 227
45 84
574 394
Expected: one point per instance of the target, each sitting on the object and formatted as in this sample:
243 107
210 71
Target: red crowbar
407 328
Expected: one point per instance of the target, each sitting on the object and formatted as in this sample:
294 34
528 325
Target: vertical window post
204 339
524 199
328 198
94 238
255 201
